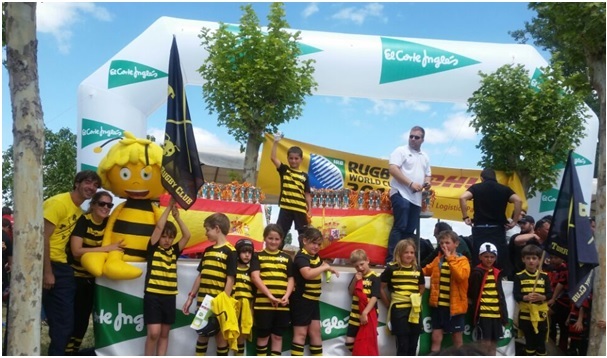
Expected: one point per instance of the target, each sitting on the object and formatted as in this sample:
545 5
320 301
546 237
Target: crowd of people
466 273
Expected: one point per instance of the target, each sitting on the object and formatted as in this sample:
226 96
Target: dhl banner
332 169
246 220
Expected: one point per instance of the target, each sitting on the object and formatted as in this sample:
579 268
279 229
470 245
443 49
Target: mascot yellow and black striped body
130 170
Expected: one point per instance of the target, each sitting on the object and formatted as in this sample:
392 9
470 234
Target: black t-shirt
490 201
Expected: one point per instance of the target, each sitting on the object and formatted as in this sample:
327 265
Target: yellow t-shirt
61 211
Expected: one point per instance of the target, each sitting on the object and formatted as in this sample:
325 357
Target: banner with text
332 169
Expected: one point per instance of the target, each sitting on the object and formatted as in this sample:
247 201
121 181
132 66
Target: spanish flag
347 230
246 221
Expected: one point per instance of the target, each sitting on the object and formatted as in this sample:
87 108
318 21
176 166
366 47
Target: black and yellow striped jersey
403 281
91 234
243 286
490 304
444 289
217 263
294 184
274 268
161 275
309 289
371 287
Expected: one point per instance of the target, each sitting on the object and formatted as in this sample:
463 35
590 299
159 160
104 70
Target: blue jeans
406 222
58 303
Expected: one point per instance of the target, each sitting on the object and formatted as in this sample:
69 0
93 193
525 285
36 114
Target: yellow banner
328 168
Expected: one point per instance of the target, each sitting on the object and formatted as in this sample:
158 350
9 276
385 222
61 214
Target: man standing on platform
410 171
490 223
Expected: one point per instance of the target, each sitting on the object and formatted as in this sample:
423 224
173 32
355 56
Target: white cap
487 247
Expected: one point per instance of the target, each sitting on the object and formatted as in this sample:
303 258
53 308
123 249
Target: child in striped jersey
486 298
217 273
531 289
307 270
402 284
449 273
243 291
159 299
272 274
371 287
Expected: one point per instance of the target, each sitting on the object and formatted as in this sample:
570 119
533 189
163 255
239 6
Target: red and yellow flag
246 220
348 230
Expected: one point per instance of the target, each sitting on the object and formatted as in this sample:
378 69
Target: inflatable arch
129 87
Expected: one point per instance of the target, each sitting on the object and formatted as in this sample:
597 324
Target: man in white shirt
410 171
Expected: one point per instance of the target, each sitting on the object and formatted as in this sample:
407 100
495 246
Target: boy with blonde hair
359 315
449 273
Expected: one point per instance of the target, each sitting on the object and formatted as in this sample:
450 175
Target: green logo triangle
578 160
536 80
87 167
548 200
402 60
93 132
124 73
119 317
305 49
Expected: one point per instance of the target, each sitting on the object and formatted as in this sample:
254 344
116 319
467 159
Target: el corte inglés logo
578 160
548 200
93 132
402 60
124 73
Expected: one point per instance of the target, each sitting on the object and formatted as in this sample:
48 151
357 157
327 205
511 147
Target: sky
75 39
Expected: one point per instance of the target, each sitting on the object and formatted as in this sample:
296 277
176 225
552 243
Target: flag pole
539 270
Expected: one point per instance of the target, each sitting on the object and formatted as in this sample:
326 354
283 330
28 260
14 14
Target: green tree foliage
59 166
573 32
526 129
254 79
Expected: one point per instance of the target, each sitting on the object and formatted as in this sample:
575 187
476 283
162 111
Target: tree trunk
250 159
596 345
28 147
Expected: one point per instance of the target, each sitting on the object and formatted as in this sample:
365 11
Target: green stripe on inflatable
118 317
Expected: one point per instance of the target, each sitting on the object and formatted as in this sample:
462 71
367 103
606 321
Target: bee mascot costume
130 170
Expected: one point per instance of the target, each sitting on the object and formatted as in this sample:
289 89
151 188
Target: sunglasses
416 137
105 204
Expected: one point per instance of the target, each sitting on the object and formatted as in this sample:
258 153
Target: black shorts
158 308
399 319
442 319
306 312
490 329
272 320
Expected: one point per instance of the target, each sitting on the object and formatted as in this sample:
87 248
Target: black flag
571 237
181 171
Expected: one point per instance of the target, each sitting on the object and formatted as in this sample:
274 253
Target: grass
87 342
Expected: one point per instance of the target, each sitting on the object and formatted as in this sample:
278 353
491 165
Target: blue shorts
442 319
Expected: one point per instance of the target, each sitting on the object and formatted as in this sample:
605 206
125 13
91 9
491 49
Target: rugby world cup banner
120 331
246 220
332 169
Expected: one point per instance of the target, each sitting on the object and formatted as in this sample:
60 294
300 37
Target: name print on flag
181 171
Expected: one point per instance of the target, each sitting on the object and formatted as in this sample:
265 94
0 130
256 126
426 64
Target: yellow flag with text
332 169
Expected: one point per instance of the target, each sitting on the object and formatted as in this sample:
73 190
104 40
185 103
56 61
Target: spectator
490 223
59 287
410 172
